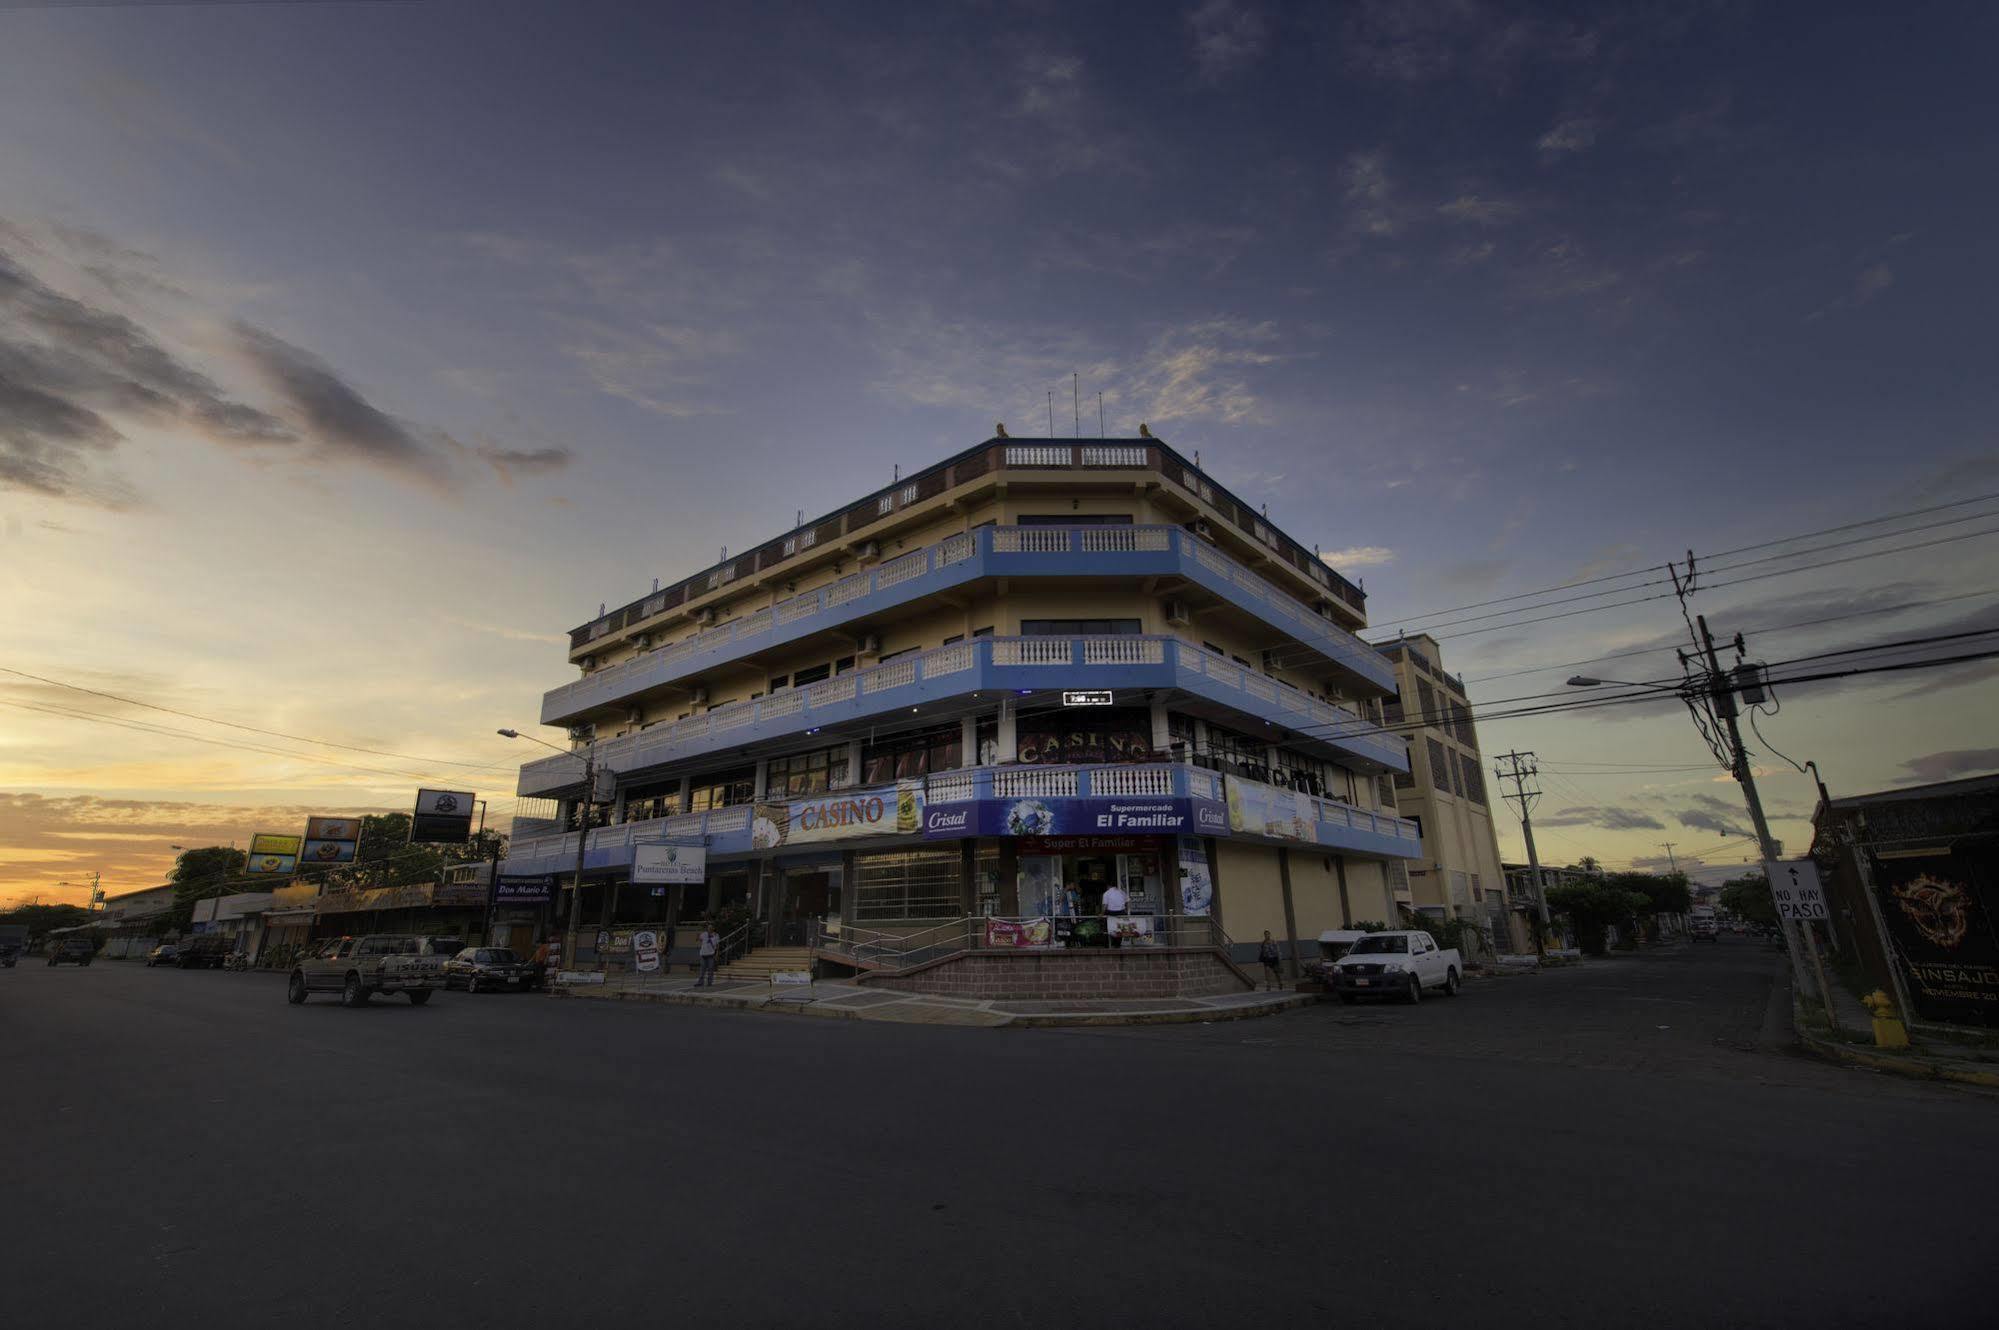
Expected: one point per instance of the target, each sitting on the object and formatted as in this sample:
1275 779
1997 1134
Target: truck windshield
1378 944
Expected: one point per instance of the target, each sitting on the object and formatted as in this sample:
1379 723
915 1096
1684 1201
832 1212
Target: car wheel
295 989
1415 992
419 996
1450 983
471 983
351 993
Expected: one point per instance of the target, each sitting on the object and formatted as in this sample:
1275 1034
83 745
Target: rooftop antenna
655 584
1051 413
896 475
800 519
1100 417
1076 395
1197 457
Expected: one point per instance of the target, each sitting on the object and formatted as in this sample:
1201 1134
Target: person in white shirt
1116 905
710 943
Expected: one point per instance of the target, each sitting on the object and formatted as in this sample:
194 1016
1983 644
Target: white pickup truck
1398 964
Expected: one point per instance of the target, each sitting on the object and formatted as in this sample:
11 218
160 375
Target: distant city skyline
352 354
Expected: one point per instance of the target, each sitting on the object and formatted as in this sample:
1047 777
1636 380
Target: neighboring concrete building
1444 793
999 687
131 921
1912 887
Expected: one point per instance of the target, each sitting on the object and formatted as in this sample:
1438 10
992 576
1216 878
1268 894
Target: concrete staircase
758 965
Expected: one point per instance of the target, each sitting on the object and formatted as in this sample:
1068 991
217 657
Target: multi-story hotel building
1443 792
996 688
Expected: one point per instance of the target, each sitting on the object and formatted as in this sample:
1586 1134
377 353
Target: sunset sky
350 354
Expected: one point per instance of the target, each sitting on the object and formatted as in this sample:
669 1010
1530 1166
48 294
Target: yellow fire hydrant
1889 1032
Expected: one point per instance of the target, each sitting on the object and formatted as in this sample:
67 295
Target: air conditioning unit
588 663
705 616
871 645
1203 530
1177 614
644 641
698 697
635 717
583 733
869 550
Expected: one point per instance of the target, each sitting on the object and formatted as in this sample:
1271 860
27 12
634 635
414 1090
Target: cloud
68 369
1872 282
1702 820
1949 765
78 367
1609 817
1421 41
1480 211
1574 134
1358 556
1227 38
1372 209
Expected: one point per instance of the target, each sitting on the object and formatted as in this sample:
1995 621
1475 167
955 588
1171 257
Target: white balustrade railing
951 787
1123 651
1032 651
1131 782
1101 455
1034 783
902 569
1038 455
1031 540
948 660
956 549
893 675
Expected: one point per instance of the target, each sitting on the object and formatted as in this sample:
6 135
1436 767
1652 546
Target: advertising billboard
883 811
333 828
1157 816
1256 809
328 852
524 889
272 853
1940 910
669 864
442 817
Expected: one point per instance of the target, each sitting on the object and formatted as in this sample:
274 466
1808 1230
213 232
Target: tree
39 919
212 870
1594 907
1748 898
386 858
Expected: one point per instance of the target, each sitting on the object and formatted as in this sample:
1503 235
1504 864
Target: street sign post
1794 887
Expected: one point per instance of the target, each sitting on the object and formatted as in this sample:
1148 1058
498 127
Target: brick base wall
1131 972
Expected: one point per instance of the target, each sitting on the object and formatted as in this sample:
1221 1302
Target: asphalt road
1614 1144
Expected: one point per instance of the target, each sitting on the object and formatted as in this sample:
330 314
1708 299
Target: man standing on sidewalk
1116 906
710 943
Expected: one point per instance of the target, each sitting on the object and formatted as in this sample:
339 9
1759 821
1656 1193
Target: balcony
1036 551
986 664
1325 823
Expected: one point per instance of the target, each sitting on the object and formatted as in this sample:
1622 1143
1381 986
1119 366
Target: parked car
162 955
1398 964
1703 930
1333 944
72 951
13 942
357 968
475 968
203 951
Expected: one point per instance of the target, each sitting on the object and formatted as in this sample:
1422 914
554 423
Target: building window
1086 734
779 681
1079 627
1427 698
918 884
910 755
1471 780
811 674
1440 766
721 790
653 799
842 665
806 773
987 631
954 639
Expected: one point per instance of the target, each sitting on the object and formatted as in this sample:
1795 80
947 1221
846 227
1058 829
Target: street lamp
582 832
1589 681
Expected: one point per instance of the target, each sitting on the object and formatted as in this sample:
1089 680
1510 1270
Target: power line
213 720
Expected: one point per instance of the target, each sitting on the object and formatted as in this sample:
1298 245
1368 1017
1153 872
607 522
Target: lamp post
582 833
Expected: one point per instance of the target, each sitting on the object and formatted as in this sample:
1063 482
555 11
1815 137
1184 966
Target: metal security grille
1440 766
918 884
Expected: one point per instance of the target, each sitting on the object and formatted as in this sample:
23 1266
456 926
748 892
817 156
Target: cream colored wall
1368 893
1248 887
1315 895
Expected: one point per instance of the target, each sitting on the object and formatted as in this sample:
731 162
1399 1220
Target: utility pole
1671 862
1520 768
1723 698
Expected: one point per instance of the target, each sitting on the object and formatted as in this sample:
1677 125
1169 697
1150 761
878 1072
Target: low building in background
1444 793
1912 887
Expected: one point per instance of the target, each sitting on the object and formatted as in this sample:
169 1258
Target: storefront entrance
809 895
1062 876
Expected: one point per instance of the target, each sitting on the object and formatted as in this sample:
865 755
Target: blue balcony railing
1133 551
987 664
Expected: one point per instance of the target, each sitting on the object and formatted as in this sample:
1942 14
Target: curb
1009 1020
1914 1068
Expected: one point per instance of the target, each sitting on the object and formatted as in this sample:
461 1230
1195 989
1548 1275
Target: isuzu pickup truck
357 968
1400 965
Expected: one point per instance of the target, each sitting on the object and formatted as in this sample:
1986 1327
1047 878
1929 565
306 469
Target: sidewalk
1928 1057
841 999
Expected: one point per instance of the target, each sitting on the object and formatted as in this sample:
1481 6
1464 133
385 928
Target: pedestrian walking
1267 953
710 944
